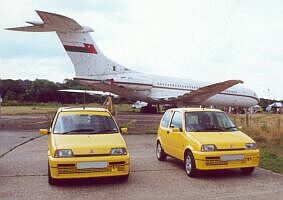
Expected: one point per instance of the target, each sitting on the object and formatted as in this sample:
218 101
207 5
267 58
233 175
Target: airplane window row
189 87
177 85
231 91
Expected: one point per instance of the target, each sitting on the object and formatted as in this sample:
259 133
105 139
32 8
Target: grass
271 157
49 108
123 107
23 110
267 131
264 128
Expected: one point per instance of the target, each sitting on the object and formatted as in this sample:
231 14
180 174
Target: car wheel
189 164
247 170
51 180
160 154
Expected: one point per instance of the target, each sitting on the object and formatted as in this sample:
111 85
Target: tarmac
23 175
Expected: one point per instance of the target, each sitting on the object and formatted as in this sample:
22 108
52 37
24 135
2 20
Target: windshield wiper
230 127
107 131
217 129
79 131
209 129
90 131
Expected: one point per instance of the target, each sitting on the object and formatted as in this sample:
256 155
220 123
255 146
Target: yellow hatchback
205 139
86 143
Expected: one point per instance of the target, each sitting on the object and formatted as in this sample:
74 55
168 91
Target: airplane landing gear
149 109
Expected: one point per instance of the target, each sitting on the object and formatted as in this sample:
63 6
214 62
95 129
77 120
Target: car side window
166 119
176 120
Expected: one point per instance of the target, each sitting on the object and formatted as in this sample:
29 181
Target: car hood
223 140
94 144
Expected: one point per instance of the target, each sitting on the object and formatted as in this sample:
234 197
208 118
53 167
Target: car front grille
231 149
90 155
213 161
71 169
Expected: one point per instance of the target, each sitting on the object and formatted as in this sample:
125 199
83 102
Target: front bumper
65 168
212 160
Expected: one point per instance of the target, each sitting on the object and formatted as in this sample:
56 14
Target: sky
208 40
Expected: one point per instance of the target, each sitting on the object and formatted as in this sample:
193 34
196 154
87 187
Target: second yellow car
205 139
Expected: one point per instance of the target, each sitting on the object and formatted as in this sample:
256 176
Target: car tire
190 165
160 154
51 180
247 170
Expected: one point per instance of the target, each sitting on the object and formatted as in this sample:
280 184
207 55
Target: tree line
43 91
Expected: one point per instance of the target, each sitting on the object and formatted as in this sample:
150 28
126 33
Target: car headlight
118 151
250 146
208 147
63 153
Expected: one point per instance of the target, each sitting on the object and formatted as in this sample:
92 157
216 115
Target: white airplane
94 69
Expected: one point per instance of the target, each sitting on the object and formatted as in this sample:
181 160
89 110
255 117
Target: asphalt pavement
23 175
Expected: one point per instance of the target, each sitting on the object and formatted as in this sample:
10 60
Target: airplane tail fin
88 60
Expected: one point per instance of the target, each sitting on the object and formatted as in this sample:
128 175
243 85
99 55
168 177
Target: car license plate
232 157
87 165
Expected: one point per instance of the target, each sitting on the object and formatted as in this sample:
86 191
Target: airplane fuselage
163 88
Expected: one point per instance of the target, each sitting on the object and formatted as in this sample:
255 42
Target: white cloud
212 40
52 68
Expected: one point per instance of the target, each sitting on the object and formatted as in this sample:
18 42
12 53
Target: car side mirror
124 130
176 130
43 131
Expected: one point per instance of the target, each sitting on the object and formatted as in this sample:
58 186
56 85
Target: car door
176 138
164 130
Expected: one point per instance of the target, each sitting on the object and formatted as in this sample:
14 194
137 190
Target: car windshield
207 121
84 124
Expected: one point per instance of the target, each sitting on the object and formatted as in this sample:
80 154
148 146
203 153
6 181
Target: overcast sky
208 40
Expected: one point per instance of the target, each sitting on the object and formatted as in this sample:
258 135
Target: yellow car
205 139
86 143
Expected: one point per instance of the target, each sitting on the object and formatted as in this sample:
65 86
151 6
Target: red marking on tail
90 48
87 48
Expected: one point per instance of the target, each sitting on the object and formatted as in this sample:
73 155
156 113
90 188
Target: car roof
195 109
74 109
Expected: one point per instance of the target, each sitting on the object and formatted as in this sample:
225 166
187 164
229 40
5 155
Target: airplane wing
91 92
109 86
203 93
